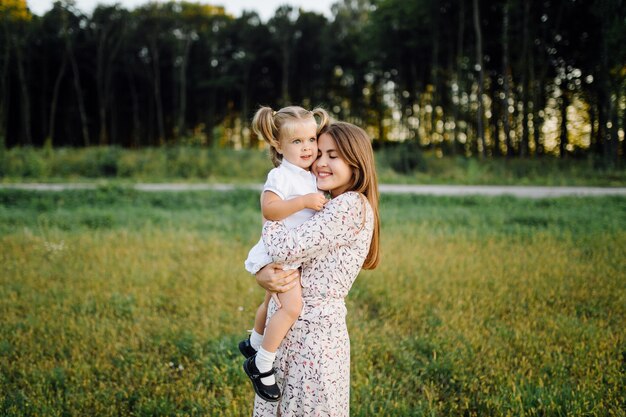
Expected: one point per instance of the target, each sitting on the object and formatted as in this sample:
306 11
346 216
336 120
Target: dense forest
508 78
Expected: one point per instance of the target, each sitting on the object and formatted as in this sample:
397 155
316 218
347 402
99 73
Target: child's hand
314 201
276 300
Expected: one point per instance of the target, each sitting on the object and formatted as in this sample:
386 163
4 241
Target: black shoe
269 393
246 348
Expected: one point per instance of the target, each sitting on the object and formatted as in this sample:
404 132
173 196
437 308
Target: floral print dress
313 361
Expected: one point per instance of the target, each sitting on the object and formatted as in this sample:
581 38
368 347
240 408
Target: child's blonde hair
269 124
355 147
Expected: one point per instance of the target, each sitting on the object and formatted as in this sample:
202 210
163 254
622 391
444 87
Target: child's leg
280 323
261 314
256 337
276 329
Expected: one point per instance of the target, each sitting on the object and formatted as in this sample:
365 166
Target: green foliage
148 164
403 70
27 163
397 163
404 158
481 306
471 171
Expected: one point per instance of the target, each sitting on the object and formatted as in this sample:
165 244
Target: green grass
197 164
117 302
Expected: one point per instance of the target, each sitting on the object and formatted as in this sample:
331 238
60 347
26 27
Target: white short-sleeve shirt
286 181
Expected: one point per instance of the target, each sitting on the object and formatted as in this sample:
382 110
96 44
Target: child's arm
338 224
276 209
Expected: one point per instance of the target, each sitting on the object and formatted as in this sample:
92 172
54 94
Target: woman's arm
274 279
336 225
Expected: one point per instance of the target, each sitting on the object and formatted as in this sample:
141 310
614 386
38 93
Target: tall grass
117 302
146 164
193 163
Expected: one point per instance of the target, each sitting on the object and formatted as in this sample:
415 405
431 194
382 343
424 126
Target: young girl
289 194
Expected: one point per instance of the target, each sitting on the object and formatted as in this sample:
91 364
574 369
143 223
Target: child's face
298 144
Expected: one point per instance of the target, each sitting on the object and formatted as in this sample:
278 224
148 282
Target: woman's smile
332 172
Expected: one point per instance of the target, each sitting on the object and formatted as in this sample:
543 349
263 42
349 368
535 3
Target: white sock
264 361
256 339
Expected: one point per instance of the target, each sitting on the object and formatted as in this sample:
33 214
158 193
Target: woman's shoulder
350 201
351 208
348 197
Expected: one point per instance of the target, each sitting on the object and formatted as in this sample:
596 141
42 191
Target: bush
25 162
102 161
404 163
404 157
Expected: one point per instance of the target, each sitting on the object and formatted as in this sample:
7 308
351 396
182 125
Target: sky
265 8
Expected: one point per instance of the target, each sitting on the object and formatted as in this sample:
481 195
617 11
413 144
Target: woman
313 361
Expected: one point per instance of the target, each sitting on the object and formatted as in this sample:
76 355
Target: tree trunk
136 130
285 72
77 84
593 138
613 131
210 119
55 99
183 87
102 108
4 87
104 71
79 96
600 133
43 125
26 116
434 70
526 62
456 101
244 102
605 99
623 129
480 133
537 118
531 93
378 106
156 76
495 119
506 71
413 98
563 141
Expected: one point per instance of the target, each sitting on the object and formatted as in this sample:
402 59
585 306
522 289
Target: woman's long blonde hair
270 125
355 147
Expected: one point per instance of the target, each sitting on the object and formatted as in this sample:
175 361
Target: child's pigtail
323 118
263 126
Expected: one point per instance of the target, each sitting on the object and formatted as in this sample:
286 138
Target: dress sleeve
277 183
336 225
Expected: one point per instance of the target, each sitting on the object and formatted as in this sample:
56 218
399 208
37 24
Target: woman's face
332 172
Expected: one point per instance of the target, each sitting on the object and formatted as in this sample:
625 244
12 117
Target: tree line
511 78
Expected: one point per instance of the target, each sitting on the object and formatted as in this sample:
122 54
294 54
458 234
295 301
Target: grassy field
197 164
117 302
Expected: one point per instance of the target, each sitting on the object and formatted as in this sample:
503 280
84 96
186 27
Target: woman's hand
275 280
